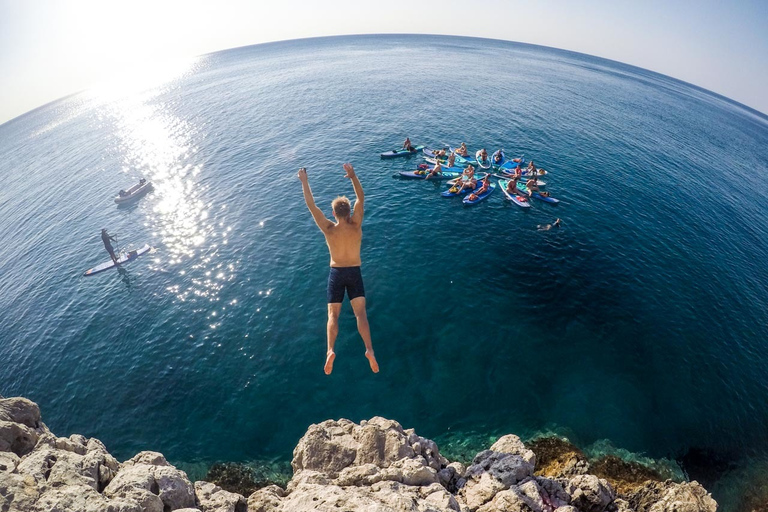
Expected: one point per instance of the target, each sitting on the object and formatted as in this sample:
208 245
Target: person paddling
407 145
344 238
108 246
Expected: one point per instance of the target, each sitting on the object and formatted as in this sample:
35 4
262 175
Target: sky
53 48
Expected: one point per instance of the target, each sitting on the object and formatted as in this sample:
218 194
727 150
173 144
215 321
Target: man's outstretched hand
302 174
350 170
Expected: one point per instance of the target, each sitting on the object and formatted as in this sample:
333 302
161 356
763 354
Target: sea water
642 320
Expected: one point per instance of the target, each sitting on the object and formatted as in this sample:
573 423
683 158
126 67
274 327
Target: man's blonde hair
341 207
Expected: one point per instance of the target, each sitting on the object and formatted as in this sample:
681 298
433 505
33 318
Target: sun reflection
156 144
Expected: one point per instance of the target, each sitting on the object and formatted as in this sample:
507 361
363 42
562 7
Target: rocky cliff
338 466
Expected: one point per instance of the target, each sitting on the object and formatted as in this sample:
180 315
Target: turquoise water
642 320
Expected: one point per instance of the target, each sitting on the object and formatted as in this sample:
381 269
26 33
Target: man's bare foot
329 362
372 361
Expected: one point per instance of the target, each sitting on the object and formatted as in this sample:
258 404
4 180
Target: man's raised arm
322 222
357 214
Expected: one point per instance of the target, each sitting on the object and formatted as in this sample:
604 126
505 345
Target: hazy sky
52 48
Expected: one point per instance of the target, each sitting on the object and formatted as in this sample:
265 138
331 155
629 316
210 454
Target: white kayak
124 258
133 193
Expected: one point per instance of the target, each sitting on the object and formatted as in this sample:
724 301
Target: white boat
133 193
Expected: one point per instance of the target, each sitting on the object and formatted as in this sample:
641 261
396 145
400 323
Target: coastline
337 465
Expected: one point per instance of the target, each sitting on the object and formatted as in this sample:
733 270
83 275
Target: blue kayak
480 197
401 152
536 195
511 164
420 175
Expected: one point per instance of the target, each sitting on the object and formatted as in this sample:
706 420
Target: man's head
341 208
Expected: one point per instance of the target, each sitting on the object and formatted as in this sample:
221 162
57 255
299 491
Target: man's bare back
344 238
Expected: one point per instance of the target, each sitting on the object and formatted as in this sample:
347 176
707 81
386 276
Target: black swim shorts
345 278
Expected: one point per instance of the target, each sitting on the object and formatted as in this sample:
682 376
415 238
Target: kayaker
343 238
108 246
462 151
484 187
407 145
437 169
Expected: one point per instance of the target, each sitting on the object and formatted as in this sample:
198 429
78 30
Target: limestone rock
149 480
266 499
17 492
212 498
590 493
17 438
55 468
510 443
20 410
79 498
8 461
332 446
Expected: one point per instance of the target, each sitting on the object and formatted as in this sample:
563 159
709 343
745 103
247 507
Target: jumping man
343 238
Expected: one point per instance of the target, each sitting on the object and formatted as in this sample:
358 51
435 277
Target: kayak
420 175
124 258
522 188
448 192
514 162
480 197
133 193
401 152
483 163
521 201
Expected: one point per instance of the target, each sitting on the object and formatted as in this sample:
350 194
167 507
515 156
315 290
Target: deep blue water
643 320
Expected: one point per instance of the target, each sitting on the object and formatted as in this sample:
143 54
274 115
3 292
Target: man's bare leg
358 306
333 330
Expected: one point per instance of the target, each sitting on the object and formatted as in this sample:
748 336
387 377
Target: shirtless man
343 238
462 151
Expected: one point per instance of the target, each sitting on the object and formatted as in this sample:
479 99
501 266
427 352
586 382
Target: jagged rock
672 497
79 498
212 498
17 492
51 467
20 410
510 443
589 493
480 490
17 438
266 499
525 497
149 480
8 461
566 508
557 458
380 497
332 446
552 492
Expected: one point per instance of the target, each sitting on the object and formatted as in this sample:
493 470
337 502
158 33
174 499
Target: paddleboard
480 197
519 200
420 175
124 258
401 152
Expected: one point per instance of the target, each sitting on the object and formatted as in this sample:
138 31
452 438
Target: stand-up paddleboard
421 174
519 200
401 152
485 164
124 258
479 197
522 188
